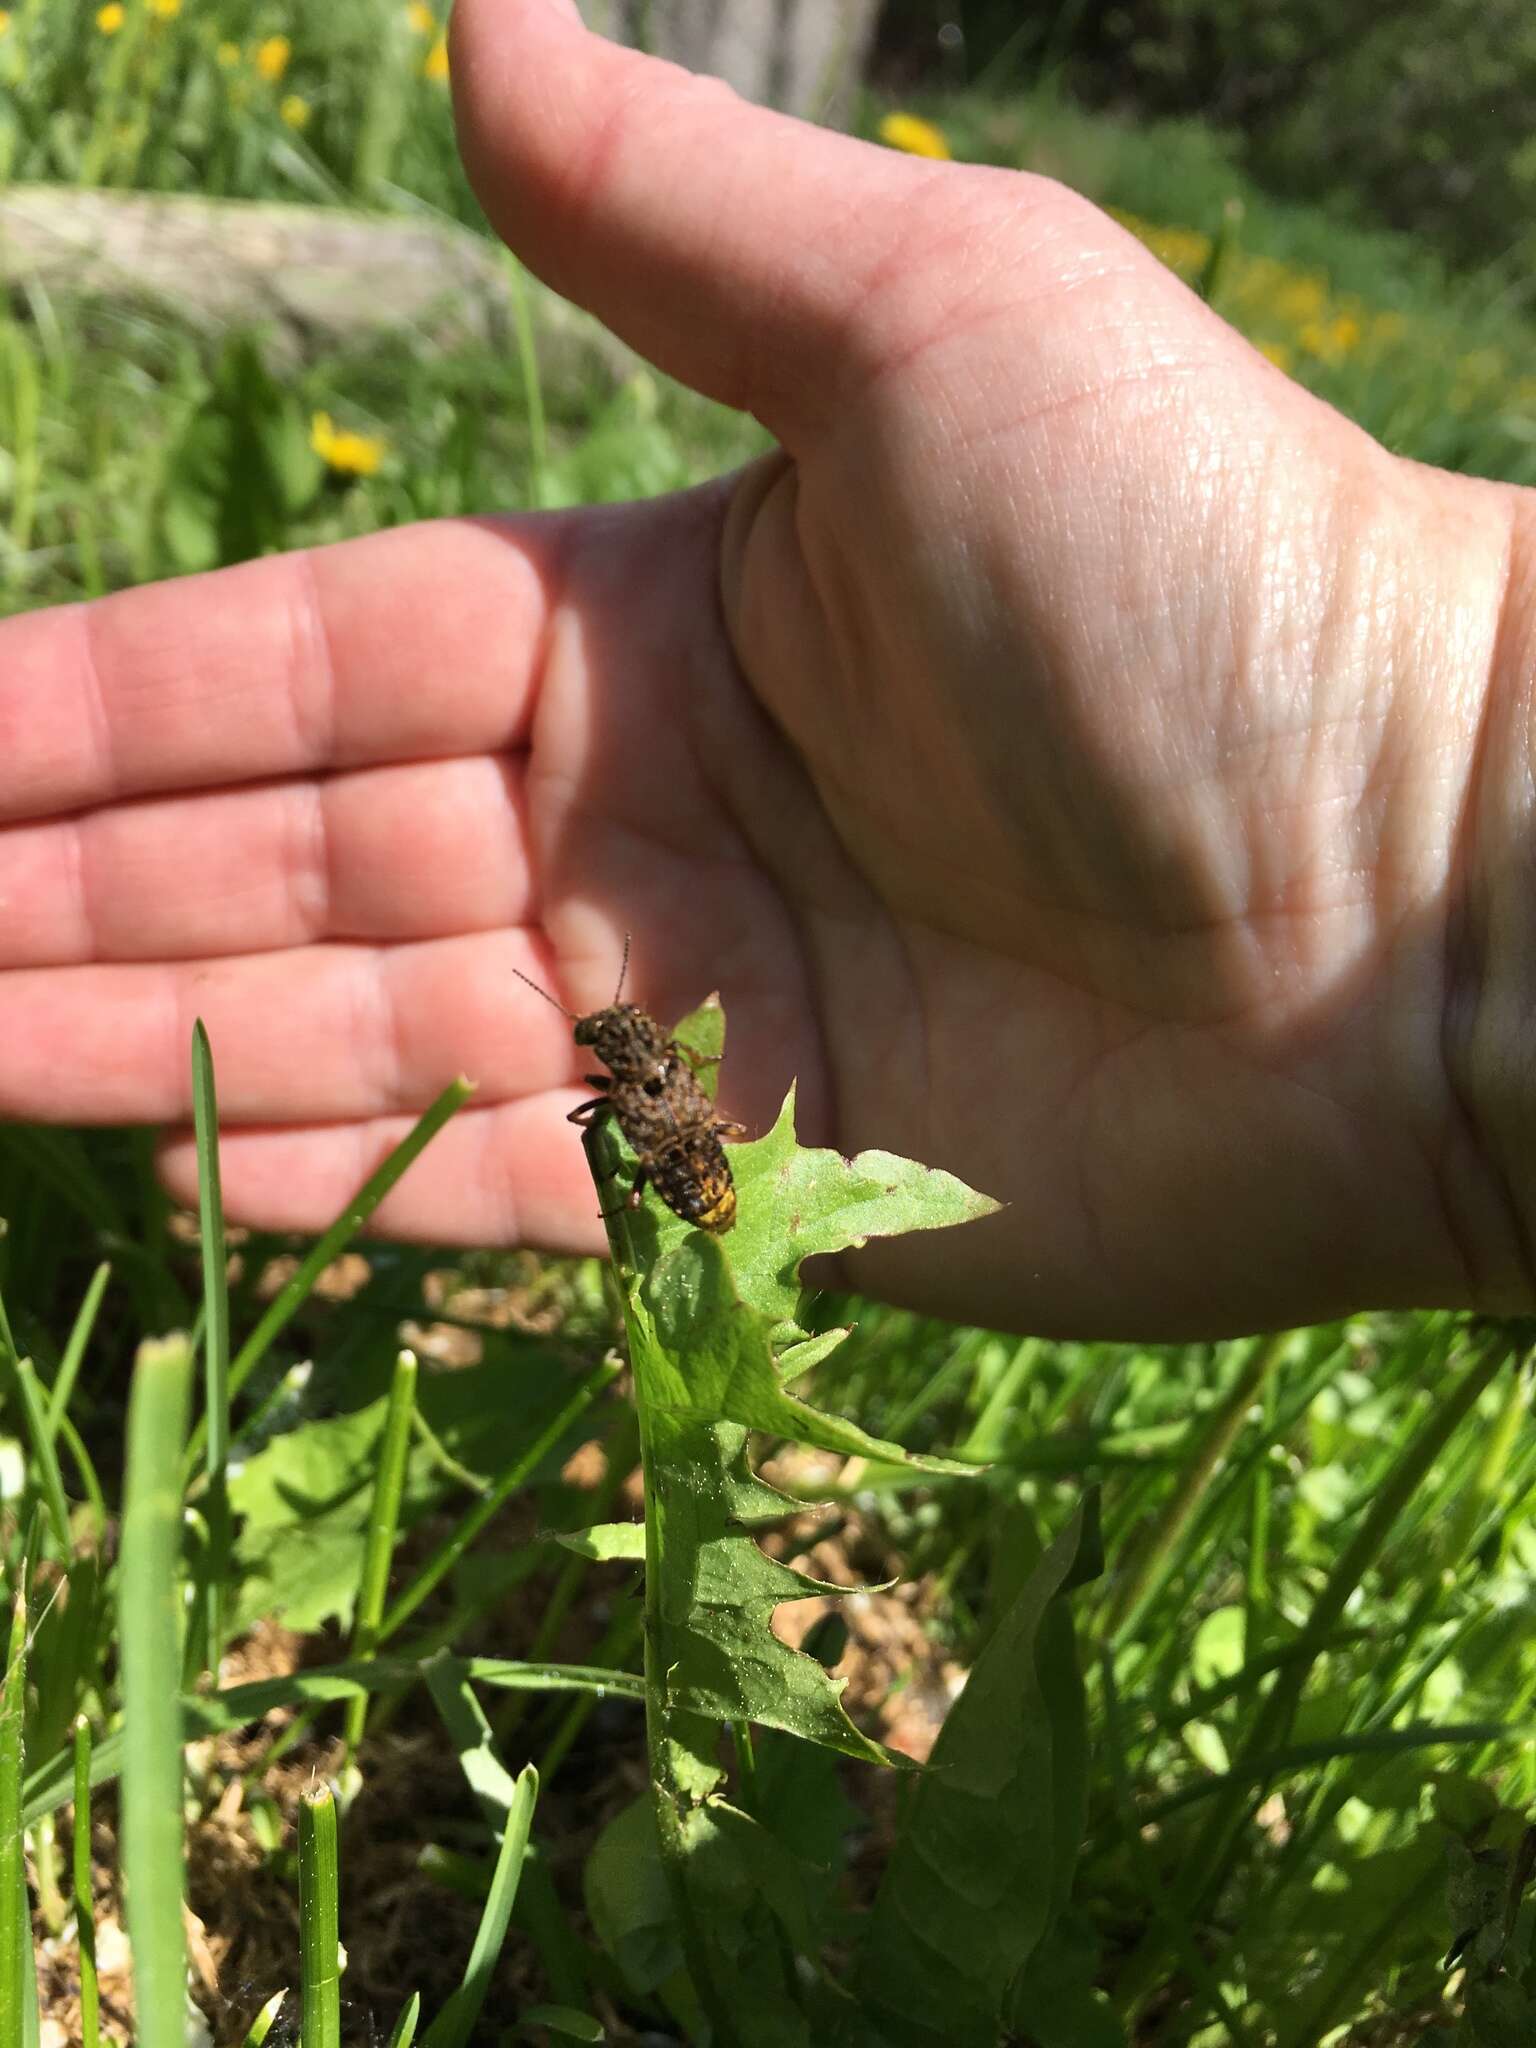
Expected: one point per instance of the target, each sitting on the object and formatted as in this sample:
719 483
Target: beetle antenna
544 992
623 969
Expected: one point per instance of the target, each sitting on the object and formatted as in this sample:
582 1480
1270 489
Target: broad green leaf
983 1863
743 1882
1055 2004
798 1796
304 1500
627 1899
747 1855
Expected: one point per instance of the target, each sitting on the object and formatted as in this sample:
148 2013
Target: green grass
1302 1743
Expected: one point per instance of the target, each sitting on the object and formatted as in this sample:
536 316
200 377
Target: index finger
417 643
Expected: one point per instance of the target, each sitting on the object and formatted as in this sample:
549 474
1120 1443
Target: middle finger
420 851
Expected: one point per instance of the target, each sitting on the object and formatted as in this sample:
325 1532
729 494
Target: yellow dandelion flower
1279 353
421 17
347 453
1345 333
296 110
164 10
1184 250
272 58
1301 299
109 19
228 55
5 21
913 134
436 66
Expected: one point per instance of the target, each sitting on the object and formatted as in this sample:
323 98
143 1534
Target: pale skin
1086 760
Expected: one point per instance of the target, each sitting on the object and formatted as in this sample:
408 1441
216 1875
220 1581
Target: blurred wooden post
804 56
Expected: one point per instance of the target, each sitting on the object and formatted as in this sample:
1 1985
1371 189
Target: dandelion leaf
718 1592
983 1864
794 1202
715 1360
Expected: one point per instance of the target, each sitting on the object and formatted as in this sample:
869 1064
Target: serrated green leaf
713 1360
710 1351
702 1031
794 1202
983 1862
721 1658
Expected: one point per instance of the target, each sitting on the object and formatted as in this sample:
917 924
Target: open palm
1037 754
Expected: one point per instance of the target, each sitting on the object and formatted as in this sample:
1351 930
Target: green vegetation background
1352 188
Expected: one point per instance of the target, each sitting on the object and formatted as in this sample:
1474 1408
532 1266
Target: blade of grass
212 1713
84 1889
149 1638
619 1638
470 1733
452 2027
1156 1555
261 2026
1160 1902
15 1920
44 1457
1209 1858
1302 1756
90 1485
338 1237
6 1339
383 1527
484 1510
74 1349
215 1260
320 1945
403 2032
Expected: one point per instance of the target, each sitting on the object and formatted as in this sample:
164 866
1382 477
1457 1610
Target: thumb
730 245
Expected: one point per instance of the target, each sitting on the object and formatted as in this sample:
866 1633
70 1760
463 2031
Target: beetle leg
727 1127
632 1199
584 1112
598 1080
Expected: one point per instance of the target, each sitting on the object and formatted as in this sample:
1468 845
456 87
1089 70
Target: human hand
1060 757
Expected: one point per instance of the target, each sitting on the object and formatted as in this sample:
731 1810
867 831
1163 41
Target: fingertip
692 222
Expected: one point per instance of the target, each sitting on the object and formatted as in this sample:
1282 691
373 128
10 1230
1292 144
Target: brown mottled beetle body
652 1092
